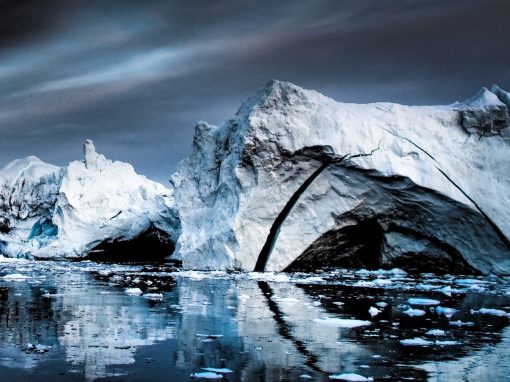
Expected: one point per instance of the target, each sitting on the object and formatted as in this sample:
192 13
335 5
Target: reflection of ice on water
109 331
257 336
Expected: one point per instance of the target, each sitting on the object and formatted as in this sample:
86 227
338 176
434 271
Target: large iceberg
89 208
297 181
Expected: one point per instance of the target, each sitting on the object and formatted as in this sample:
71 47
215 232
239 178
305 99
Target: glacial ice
419 187
293 182
49 212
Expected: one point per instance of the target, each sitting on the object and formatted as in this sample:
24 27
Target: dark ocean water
85 321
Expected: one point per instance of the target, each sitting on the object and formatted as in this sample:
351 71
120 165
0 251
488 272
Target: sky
136 76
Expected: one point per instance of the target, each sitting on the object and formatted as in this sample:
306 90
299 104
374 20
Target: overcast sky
135 76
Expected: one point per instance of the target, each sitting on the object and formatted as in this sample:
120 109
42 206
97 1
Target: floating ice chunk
422 301
414 312
222 370
436 332
382 282
364 284
417 341
350 377
492 312
15 277
373 311
206 375
381 304
342 322
446 343
4 259
214 336
153 296
447 312
461 323
305 376
468 282
133 291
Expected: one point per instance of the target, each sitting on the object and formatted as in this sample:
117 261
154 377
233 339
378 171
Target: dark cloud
26 20
135 76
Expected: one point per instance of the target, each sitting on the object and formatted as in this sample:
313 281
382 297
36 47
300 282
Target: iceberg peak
484 98
501 94
92 159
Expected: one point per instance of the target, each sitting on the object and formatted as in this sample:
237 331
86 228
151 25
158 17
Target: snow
341 322
350 377
423 301
452 161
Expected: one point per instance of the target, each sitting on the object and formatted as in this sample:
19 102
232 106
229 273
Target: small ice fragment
153 296
206 375
492 312
15 277
363 284
468 282
422 301
373 311
460 323
447 312
305 376
350 377
316 303
222 370
446 343
381 304
414 312
382 282
133 291
42 348
417 341
342 322
436 332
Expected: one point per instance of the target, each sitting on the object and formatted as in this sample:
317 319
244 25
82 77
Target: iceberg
90 208
296 181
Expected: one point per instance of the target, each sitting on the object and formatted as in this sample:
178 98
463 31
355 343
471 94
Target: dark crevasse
323 154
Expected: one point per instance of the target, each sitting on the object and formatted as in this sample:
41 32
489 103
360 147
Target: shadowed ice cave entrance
153 245
365 245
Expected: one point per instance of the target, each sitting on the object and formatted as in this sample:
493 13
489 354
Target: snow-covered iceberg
89 207
297 181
